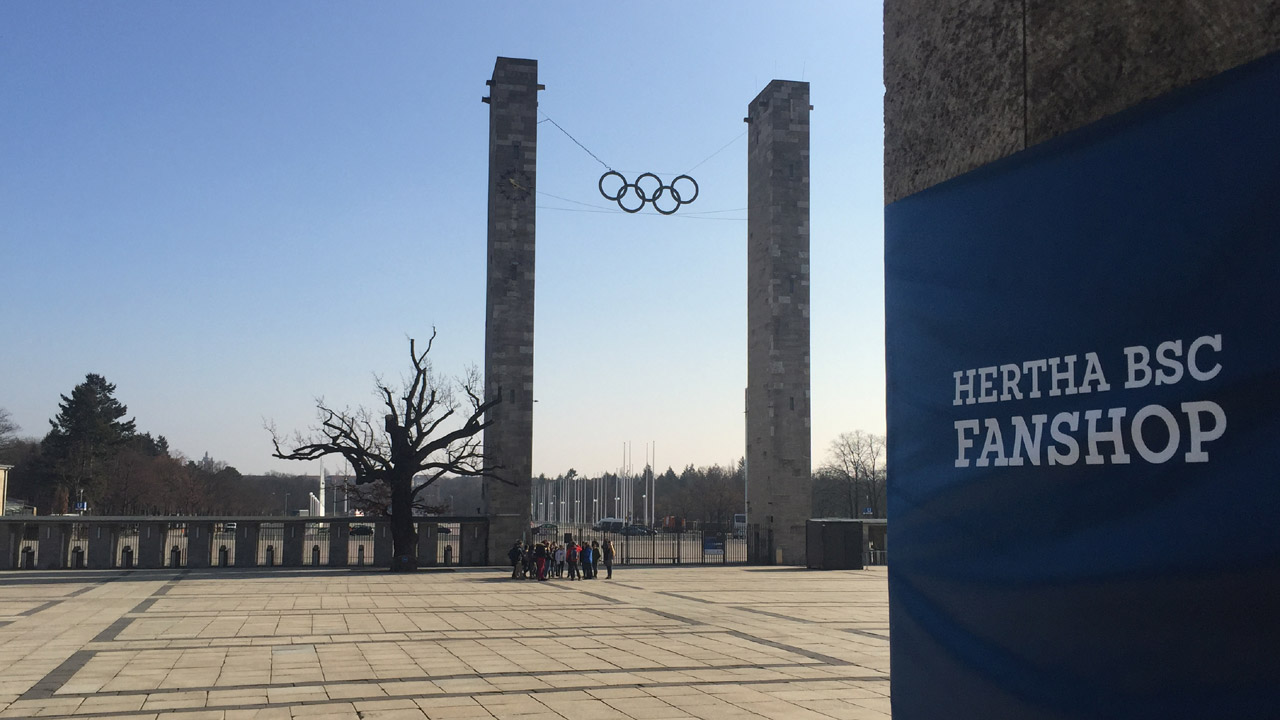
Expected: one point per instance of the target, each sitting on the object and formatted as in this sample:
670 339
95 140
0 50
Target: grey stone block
383 548
339 544
428 535
10 541
199 544
1087 59
968 82
151 545
953 78
51 552
294 535
247 534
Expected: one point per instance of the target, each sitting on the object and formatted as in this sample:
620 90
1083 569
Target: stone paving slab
653 643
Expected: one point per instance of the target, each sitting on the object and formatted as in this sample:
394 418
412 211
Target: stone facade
779 485
508 353
968 82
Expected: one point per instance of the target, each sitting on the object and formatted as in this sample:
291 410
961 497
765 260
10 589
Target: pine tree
86 436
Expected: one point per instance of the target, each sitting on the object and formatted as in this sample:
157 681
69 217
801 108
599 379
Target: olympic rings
647 195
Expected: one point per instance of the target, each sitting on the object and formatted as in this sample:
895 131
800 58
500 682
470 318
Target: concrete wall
51 553
10 541
968 82
199 544
103 543
339 541
508 351
294 551
778 435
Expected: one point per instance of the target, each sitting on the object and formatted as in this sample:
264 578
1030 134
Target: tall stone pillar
778 435
508 351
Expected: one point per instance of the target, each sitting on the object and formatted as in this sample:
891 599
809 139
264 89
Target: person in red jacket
571 554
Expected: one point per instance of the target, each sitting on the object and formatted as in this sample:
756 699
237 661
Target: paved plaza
680 642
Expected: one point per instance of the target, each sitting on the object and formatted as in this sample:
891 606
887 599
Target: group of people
547 559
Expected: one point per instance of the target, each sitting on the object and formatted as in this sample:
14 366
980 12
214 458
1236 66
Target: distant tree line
851 482
708 494
93 454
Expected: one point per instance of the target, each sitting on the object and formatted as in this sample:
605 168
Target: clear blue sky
230 209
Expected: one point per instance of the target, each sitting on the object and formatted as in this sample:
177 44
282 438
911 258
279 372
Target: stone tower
778 454
508 332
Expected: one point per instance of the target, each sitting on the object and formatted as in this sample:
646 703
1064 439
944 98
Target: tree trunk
404 540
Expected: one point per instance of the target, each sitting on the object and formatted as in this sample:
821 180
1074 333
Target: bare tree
858 458
8 428
427 430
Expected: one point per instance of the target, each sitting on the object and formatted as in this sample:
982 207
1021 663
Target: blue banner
1083 355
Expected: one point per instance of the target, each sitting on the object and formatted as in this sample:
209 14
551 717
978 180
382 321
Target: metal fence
660 548
100 543
159 542
448 537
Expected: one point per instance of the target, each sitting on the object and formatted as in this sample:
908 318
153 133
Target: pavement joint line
52 603
46 686
111 631
320 684
256 612
867 633
605 598
64 577
677 618
485 693
164 589
681 596
42 606
575 631
629 587
407 634
792 618
824 659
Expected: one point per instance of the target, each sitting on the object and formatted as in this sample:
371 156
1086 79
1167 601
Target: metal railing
28 542
659 548
57 542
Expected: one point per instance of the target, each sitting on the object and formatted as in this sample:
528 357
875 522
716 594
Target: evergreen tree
86 436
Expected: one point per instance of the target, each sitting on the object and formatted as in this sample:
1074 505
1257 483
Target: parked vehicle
546 529
611 525
740 525
361 530
637 530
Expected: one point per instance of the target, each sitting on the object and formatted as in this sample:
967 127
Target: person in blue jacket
588 562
